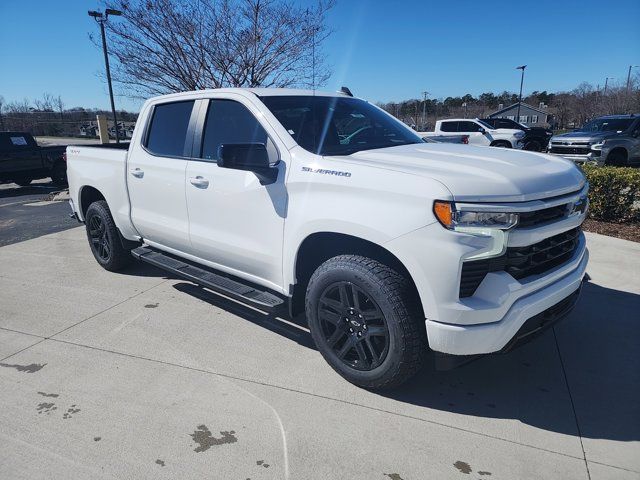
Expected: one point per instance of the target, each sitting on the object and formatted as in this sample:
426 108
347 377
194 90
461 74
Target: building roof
544 112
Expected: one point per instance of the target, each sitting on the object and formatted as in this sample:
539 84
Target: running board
208 279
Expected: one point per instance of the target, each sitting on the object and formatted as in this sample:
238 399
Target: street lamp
521 67
424 110
606 83
102 19
629 76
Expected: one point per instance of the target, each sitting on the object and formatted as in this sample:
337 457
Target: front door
156 173
476 137
235 222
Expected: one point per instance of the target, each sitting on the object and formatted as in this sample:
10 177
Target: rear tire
365 320
104 238
59 174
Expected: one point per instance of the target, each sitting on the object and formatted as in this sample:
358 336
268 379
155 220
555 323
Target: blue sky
382 50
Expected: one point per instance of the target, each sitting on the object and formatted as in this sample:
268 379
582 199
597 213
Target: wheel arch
495 143
87 196
617 149
318 247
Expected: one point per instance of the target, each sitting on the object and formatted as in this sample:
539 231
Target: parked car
22 160
390 245
445 139
536 139
479 133
610 140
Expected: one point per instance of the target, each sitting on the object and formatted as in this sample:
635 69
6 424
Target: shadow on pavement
600 351
13 190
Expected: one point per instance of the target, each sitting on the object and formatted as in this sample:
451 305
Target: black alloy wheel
99 238
353 326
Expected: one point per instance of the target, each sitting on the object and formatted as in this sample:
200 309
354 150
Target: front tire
501 144
617 158
23 181
104 238
365 320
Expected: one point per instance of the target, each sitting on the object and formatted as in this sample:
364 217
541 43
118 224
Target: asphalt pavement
27 212
138 375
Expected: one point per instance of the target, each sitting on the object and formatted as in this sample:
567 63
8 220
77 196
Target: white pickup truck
478 132
328 205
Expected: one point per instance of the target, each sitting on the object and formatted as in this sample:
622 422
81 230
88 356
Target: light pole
629 76
521 67
424 110
464 104
102 19
606 83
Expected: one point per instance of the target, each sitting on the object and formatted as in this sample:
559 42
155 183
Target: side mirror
252 157
482 131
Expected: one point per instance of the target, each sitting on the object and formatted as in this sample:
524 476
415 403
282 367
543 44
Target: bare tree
45 104
59 105
163 46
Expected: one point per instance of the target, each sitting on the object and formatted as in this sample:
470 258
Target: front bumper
493 337
594 157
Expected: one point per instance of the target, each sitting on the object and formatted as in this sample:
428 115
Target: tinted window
229 122
338 125
449 126
168 130
468 127
607 125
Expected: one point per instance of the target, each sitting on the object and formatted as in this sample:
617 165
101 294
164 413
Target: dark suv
536 139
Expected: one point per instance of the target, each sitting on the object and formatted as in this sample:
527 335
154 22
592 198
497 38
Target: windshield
337 125
607 125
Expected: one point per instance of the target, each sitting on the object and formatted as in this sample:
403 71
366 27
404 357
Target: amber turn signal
443 212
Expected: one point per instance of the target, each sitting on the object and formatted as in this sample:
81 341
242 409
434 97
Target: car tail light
465 139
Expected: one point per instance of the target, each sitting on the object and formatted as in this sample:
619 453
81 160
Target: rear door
476 137
235 222
156 175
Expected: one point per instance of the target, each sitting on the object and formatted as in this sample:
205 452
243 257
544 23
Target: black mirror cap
252 157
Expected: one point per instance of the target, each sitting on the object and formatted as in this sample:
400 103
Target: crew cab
299 201
610 140
478 132
22 160
535 139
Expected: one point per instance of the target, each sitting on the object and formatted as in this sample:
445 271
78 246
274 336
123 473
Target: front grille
569 150
529 219
521 262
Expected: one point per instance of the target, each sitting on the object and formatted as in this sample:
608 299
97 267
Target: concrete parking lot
136 375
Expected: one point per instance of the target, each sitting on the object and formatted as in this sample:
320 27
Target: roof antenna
346 91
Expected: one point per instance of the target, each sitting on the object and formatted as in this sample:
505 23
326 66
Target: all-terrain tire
397 301
104 238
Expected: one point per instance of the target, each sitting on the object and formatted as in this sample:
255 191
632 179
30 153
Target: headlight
597 146
519 134
463 220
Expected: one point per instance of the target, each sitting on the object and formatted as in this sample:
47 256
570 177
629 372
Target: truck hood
480 174
579 136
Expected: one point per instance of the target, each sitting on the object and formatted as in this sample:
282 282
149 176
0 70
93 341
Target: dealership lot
136 375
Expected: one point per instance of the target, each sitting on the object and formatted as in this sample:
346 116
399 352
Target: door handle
199 182
136 172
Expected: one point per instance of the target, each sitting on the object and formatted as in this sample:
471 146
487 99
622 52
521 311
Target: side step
208 279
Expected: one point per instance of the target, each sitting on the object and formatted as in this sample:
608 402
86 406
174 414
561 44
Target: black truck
22 160
535 139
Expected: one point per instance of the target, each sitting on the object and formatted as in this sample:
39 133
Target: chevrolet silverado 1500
328 205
